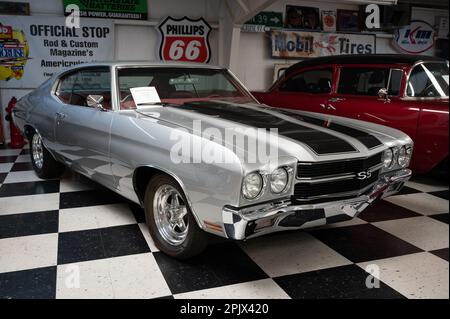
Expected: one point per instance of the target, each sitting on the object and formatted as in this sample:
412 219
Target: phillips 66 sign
184 40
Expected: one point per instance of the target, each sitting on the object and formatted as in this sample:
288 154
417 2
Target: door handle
60 115
336 99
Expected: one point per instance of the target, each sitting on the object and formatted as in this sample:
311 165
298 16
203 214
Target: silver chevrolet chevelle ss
322 169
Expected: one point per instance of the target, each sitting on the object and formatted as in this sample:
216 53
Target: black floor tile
101 196
441 194
27 166
2 177
39 283
364 242
339 282
8 159
100 243
441 217
29 188
25 151
29 224
220 265
138 212
383 210
443 253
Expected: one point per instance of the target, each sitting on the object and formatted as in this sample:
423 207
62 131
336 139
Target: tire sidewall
185 249
39 171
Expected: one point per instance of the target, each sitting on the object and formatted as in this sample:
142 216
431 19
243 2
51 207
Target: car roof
148 64
363 59
137 64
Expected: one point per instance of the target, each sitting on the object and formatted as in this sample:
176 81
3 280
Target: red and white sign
417 37
184 40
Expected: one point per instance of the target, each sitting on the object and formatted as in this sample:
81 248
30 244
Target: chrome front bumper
249 222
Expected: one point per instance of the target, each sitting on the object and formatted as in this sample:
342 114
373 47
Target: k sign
417 37
184 40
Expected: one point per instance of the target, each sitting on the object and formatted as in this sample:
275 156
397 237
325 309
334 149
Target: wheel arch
142 176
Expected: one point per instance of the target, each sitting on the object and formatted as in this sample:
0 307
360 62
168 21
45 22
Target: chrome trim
278 210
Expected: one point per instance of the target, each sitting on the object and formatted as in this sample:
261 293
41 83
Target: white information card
145 95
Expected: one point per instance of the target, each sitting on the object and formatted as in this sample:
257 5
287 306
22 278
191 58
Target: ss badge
363 175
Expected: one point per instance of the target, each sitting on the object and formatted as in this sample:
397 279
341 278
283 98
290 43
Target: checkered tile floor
71 238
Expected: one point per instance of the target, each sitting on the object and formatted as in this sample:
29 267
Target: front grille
315 170
304 191
309 189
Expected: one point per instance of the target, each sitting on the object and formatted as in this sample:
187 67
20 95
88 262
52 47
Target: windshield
181 85
428 80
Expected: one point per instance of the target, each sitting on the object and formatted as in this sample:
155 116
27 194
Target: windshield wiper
156 103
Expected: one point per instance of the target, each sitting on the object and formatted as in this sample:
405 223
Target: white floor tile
92 217
10 152
260 289
74 184
22 176
23 158
423 232
420 275
421 203
286 254
151 244
134 276
5 167
426 187
29 203
28 252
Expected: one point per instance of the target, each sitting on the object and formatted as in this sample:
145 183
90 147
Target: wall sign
417 37
263 21
298 44
329 20
184 40
32 48
112 9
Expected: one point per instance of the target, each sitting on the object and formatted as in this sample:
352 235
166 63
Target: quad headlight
388 158
279 180
404 156
252 185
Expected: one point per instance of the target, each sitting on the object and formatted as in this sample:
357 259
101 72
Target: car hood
304 135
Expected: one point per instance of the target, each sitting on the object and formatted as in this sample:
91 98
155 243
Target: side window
362 81
65 86
395 82
312 81
428 80
75 87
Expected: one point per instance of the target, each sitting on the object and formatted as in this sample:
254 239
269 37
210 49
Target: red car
406 92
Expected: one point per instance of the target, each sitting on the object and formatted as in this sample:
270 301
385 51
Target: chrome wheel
37 151
170 213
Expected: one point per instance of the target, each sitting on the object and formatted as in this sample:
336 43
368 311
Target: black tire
49 168
195 241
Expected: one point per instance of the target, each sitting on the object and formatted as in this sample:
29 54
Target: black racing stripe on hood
320 142
368 140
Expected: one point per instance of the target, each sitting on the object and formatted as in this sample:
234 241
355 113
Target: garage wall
138 40
256 66
134 40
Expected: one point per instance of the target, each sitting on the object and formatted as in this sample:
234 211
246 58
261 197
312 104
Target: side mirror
383 95
95 101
